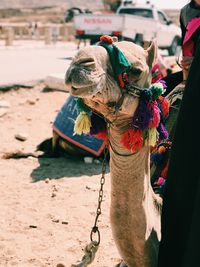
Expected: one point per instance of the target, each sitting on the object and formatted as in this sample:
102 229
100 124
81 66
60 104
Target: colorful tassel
142 116
82 124
155 111
121 81
106 39
157 90
160 181
133 140
152 137
101 135
163 83
164 105
161 149
163 133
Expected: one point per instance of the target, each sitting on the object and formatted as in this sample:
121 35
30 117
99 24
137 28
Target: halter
149 116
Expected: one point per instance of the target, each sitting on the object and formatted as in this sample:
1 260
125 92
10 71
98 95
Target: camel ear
152 53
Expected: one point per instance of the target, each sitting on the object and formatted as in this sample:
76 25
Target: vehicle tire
93 41
139 39
172 50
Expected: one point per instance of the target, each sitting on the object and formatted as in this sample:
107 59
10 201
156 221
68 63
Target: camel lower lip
78 91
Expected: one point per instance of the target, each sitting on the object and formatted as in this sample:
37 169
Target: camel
135 209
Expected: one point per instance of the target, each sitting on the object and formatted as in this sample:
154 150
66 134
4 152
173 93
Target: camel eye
86 62
136 72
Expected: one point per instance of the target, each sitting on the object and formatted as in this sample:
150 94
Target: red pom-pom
161 149
155 111
165 105
106 39
101 135
133 140
121 81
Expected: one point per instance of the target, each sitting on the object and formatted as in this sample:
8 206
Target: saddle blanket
64 127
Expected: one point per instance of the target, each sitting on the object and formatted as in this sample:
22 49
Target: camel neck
132 202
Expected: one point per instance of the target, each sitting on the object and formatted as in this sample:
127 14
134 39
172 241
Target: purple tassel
142 116
163 83
163 133
98 124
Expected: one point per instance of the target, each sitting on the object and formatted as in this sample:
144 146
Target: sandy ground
44 223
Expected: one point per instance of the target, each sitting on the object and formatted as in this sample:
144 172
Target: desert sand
47 205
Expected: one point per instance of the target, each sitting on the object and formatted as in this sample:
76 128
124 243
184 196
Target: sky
169 3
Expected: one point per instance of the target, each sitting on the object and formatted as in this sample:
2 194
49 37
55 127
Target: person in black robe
180 220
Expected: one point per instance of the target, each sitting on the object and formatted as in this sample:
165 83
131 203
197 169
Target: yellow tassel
82 124
151 137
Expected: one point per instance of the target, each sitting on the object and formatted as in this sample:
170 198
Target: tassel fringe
152 137
82 124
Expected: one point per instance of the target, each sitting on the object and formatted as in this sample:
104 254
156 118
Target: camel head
91 77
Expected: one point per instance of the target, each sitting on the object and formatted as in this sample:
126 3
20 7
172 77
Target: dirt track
45 222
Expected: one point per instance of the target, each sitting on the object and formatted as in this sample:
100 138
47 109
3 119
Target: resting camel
135 208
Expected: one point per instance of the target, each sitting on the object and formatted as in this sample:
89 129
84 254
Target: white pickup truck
135 23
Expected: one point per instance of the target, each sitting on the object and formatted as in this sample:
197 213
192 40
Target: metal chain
95 229
91 249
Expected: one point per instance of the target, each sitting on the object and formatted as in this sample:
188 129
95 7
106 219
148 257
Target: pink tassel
160 181
164 104
155 111
133 140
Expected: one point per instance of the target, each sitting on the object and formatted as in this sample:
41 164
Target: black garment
172 80
180 219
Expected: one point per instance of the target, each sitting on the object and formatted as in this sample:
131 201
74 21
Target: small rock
47 180
56 219
53 194
55 188
4 104
21 136
87 187
31 101
32 226
63 222
60 265
88 160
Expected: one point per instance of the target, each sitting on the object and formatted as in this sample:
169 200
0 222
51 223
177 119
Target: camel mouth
82 90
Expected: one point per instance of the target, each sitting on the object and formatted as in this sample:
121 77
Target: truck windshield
147 13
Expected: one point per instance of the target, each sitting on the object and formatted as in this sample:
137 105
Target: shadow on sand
60 167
